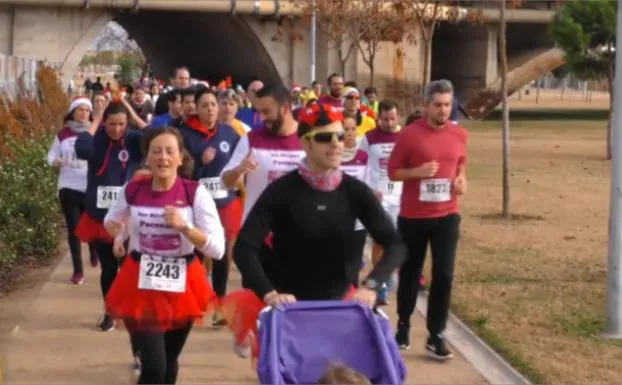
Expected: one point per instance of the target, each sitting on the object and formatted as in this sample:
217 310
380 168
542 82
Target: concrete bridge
216 38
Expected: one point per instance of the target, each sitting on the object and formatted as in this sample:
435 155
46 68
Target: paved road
56 343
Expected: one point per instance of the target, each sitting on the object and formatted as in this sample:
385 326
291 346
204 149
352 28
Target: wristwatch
371 284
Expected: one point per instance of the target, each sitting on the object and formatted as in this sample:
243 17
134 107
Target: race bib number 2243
162 274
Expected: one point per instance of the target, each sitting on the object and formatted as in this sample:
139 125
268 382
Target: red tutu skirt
90 229
154 310
231 218
241 309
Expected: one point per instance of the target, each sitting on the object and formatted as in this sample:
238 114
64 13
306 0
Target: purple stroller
299 341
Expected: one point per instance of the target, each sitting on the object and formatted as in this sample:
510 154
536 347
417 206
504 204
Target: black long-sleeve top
313 238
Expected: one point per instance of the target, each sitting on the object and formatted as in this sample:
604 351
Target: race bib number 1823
435 190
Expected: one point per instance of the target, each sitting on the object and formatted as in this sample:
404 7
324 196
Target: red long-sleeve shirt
420 143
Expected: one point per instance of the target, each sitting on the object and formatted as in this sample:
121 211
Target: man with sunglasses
365 122
312 212
379 143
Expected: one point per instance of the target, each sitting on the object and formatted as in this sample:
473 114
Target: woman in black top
312 212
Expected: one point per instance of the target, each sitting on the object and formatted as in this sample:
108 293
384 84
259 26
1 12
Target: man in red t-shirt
430 158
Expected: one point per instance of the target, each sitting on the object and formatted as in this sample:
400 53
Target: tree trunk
426 64
371 69
538 91
505 110
610 80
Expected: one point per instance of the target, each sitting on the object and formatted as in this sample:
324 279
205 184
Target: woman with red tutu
162 288
111 150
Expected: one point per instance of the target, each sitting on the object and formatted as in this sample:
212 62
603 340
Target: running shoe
402 336
137 366
105 323
383 295
243 347
437 349
423 282
77 278
218 320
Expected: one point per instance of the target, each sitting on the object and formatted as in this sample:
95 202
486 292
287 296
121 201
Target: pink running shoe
423 282
244 347
77 278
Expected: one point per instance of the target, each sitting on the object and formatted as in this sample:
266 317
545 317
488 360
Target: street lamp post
613 326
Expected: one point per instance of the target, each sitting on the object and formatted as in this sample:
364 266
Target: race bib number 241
107 196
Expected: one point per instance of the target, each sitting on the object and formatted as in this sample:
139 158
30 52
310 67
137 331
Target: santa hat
78 101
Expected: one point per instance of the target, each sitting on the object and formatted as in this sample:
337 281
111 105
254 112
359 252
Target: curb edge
488 363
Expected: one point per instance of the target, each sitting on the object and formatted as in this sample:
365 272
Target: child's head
343 375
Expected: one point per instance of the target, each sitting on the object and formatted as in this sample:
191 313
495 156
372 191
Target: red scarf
324 181
194 123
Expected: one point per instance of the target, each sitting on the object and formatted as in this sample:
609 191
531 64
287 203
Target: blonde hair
343 375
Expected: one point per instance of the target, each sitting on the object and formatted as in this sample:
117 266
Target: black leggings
159 354
109 265
72 204
442 234
220 276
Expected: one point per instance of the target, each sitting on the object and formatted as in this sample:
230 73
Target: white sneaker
244 348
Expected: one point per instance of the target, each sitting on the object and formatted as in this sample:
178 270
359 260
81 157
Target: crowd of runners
170 185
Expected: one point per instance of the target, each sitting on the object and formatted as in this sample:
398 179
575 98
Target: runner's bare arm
117 216
370 212
208 234
250 240
231 174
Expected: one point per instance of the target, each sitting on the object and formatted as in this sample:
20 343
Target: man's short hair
387 105
442 86
277 91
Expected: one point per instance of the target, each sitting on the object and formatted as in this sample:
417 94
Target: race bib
392 188
435 190
107 196
215 187
162 274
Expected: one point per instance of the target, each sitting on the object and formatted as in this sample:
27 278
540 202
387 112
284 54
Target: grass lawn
534 287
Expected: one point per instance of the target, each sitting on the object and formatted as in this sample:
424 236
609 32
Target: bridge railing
18 77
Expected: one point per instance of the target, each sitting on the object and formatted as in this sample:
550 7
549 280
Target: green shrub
29 209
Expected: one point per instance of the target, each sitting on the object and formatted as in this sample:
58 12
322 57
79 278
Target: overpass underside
212 45
468 55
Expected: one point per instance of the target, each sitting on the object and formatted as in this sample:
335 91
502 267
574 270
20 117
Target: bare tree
505 109
383 22
339 22
424 16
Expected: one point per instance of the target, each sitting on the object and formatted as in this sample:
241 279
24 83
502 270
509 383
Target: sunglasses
325 137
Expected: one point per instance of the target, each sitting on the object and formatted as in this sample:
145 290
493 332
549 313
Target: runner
109 153
173 103
161 289
352 105
430 157
249 115
211 143
379 143
72 179
228 105
264 155
335 92
312 213
354 163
